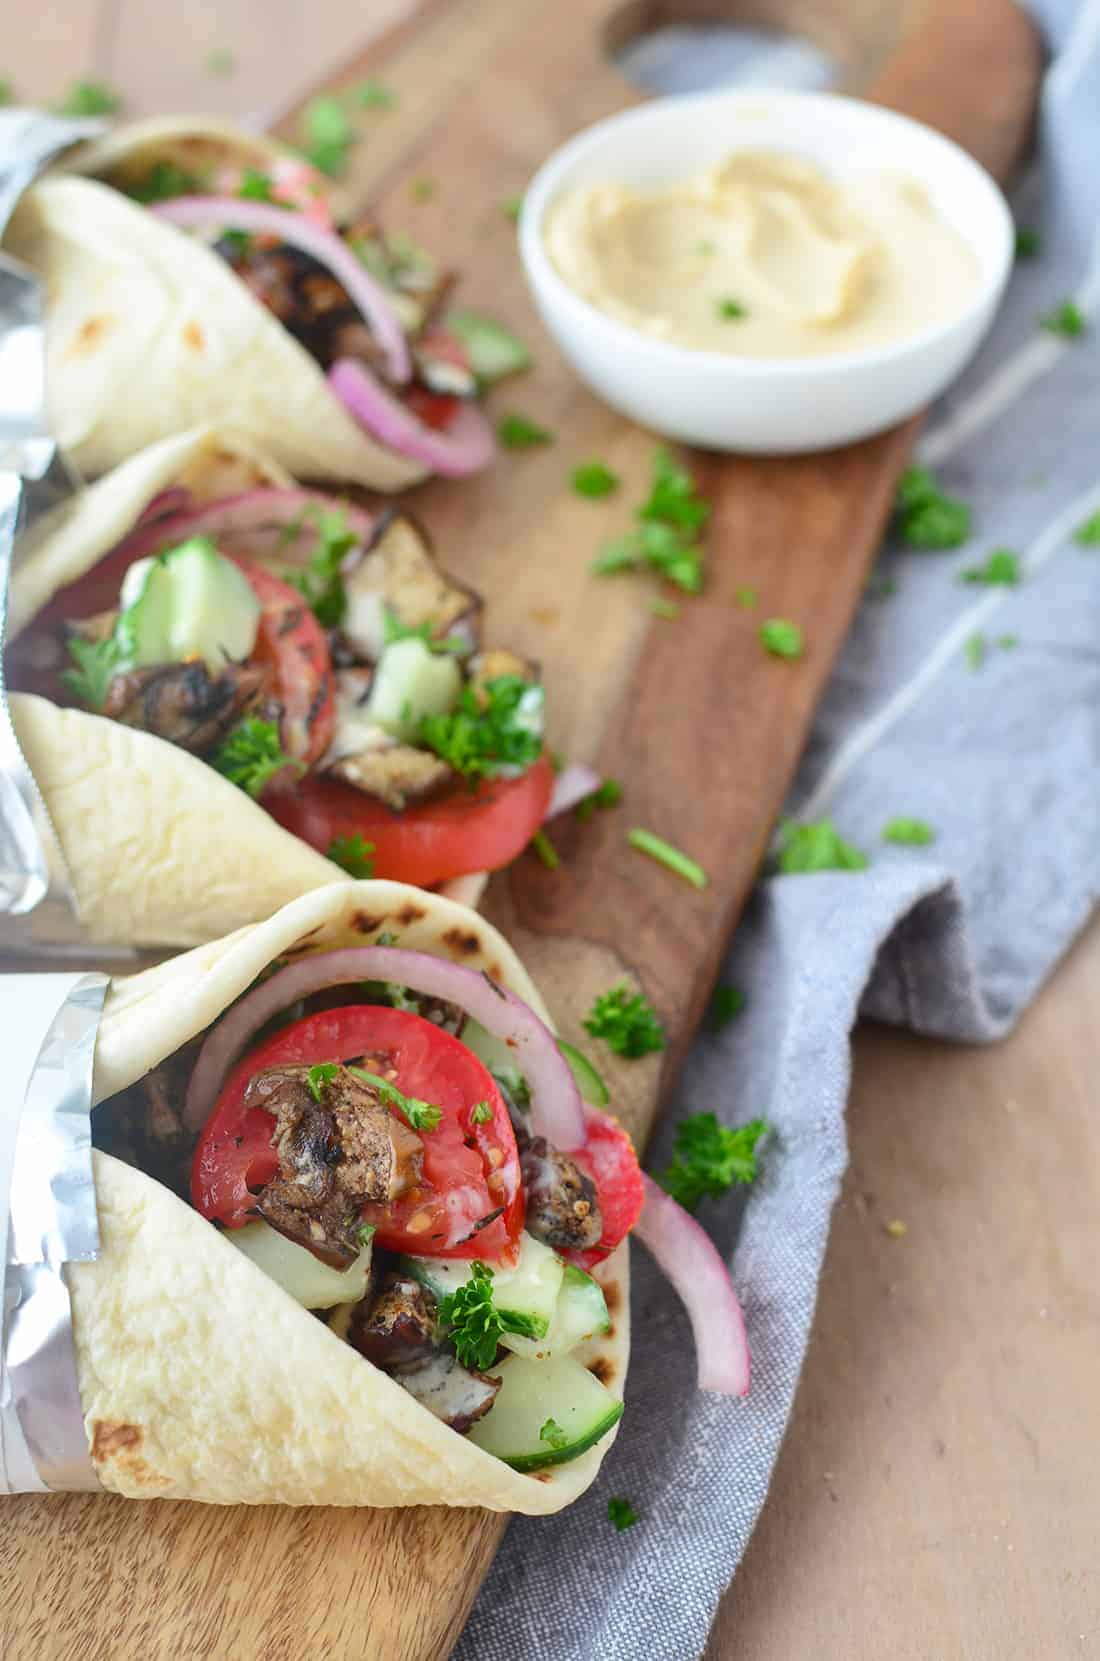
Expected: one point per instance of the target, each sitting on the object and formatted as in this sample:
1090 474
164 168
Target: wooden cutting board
701 725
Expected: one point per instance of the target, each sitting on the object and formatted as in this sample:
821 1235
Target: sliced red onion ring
244 523
571 786
325 246
688 1256
556 1109
172 500
466 446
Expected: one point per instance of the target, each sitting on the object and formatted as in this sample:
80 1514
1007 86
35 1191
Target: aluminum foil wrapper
47 1202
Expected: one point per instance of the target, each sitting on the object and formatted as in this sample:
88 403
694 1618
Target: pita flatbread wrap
200 1378
149 332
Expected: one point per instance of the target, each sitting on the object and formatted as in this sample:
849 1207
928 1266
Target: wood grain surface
486 88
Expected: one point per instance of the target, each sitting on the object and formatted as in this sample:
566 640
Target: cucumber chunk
525 1297
303 1277
588 1081
492 349
580 1313
186 603
411 681
546 1412
143 631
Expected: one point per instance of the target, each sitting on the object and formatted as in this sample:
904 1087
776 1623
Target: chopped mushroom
335 1155
396 773
183 702
454 1393
397 1327
399 575
563 1210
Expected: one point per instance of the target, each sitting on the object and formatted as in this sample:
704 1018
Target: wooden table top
937 1494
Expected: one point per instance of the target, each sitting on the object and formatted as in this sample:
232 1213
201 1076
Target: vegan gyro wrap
235 689
197 272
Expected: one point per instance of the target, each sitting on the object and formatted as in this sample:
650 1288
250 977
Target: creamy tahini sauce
811 265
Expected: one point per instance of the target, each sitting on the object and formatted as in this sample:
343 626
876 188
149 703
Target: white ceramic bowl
766 405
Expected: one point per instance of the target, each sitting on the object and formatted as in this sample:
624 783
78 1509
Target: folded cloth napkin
977 710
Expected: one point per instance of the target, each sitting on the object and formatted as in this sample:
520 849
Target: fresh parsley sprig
420 1115
553 1435
394 629
609 794
627 1023
352 854
329 135
665 538
709 1157
472 1320
322 1073
495 726
782 638
97 662
519 432
1002 569
89 98
321 582
804 849
251 755
621 1513
926 518
911 833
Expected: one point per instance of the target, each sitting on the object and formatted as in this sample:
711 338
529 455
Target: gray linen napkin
1003 760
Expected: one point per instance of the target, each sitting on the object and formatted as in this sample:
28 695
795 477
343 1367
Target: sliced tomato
291 645
469 1202
466 830
609 1158
435 409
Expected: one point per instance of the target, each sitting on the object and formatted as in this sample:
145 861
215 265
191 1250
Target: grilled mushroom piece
454 1393
397 1327
563 1210
183 702
396 773
335 1155
399 575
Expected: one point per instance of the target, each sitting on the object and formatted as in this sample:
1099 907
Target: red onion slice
571 786
690 1259
464 447
556 1109
326 247
172 500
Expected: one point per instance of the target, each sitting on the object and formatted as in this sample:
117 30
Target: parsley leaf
661 607
913 833
164 181
256 186
1088 534
365 1233
928 519
97 661
673 499
89 98
394 629
1001 568
621 1513
251 755
665 536
553 1435
609 794
321 582
728 309
318 1076
329 135
372 95
974 651
627 1023
781 638
1067 320
422 190
708 1157
594 479
512 207
420 1115
727 1002
352 854
665 854
495 726
1028 243
745 597
473 1321
816 847
545 849
221 61
516 432
481 1113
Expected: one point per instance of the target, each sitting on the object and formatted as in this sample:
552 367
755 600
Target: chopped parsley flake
725 1005
256 186
781 638
661 607
221 62
97 662
495 726
365 1233
164 181
928 519
481 1113
665 538
553 1435
804 849
594 479
420 1115
7 91
251 755
422 190
974 651
545 849
627 1023
745 597
1088 534
1028 243
372 95
512 207
516 432
912 833
609 794
393 629
329 135
665 854
318 1076
621 1513
473 1321
728 310
352 854
89 98
1067 320
321 582
708 1158
1002 568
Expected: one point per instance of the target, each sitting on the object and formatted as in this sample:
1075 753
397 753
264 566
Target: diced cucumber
492 349
580 1313
186 603
313 1284
411 681
525 1297
588 1081
545 1413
